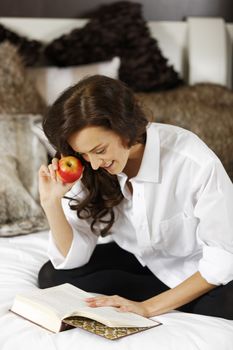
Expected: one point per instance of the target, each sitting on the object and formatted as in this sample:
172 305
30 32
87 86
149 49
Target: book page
111 317
61 300
66 300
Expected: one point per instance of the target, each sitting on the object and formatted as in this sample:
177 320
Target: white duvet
20 260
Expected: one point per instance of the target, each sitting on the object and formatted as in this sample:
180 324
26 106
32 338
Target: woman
158 192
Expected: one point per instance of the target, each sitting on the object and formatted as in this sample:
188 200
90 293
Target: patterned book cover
111 333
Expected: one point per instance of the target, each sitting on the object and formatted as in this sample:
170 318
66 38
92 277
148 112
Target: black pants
112 270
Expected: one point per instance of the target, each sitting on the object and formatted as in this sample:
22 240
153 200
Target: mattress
20 260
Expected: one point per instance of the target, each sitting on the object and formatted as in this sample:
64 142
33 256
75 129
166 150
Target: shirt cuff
216 265
79 253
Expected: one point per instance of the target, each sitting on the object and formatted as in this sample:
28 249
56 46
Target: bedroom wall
153 9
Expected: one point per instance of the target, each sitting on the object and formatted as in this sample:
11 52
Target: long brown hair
96 101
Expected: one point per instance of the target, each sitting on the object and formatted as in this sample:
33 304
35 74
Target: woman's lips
108 165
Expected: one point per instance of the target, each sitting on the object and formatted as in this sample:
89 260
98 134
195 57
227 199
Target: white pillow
52 81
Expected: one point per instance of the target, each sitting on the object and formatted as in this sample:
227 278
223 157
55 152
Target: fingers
50 170
55 163
119 303
43 171
113 300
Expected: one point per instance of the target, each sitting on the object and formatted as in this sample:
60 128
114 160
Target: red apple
69 169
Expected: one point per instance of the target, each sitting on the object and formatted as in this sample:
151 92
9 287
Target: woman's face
102 148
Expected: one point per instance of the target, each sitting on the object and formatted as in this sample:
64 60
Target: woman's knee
48 276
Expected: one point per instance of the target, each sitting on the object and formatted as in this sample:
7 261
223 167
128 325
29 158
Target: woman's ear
125 143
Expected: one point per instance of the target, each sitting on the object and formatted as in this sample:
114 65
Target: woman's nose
95 162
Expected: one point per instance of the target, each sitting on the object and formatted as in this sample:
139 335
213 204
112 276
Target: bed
191 47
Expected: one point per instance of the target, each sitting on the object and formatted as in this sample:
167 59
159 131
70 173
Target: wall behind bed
153 9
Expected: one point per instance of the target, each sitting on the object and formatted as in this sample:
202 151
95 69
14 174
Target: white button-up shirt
177 221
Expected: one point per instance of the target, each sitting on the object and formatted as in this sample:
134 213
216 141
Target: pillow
30 50
205 108
119 30
17 92
21 151
21 156
45 77
52 81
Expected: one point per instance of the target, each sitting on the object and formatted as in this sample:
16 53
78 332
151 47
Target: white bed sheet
20 260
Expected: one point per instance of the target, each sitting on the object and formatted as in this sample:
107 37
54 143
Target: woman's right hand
51 188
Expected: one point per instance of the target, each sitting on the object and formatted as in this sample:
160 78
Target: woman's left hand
122 304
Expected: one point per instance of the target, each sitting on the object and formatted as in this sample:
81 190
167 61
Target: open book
63 307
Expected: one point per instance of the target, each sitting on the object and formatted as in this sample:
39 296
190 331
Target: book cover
111 333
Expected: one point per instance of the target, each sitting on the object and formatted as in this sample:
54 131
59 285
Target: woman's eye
100 151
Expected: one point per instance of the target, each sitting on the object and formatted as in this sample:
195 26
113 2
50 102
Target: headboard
200 49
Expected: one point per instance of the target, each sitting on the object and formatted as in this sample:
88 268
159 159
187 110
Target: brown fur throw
21 156
29 49
21 151
17 92
117 29
206 109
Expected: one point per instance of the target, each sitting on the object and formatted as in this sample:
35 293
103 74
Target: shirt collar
149 168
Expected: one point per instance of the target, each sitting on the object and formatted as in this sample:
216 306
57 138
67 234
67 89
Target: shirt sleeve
214 208
83 243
